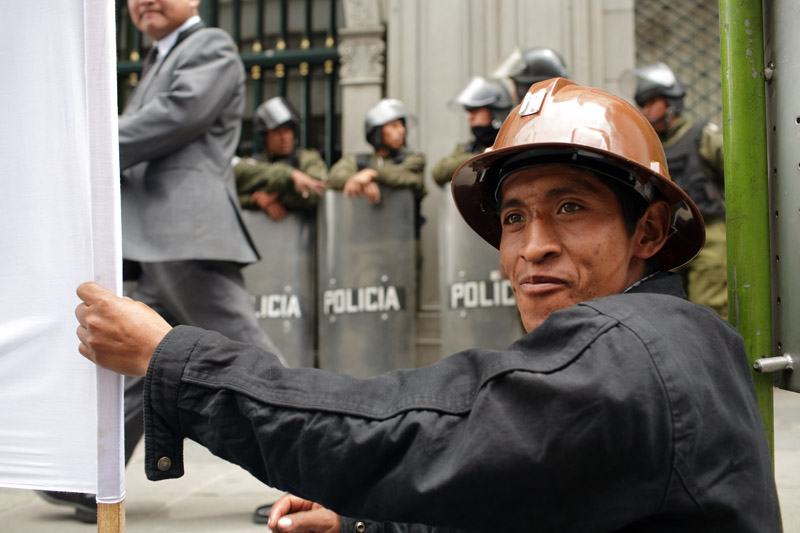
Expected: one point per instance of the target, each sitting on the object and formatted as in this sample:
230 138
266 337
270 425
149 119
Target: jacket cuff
163 438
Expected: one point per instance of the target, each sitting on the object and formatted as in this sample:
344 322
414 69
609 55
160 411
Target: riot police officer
391 164
487 103
695 157
285 176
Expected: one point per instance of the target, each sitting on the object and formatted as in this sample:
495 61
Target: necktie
150 60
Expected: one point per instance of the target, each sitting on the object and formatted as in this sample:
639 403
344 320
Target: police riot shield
283 284
367 283
477 305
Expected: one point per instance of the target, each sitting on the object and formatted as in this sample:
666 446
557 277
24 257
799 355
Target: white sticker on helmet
532 103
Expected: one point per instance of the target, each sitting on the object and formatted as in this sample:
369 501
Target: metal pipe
260 21
283 23
330 84
209 12
305 78
766 365
282 45
746 186
236 30
256 74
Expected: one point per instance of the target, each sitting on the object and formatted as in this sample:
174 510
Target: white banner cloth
60 418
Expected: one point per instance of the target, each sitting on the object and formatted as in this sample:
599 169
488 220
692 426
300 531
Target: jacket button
361 527
164 464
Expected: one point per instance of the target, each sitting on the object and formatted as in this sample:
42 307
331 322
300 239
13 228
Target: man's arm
408 174
252 175
311 163
206 75
356 183
341 171
566 427
441 445
292 514
117 333
443 170
308 182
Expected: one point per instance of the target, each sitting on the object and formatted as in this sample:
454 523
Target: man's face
394 134
479 116
280 141
564 240
158 18
654 110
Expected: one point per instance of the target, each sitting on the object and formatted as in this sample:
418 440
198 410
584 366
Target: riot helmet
490 93
562 123
531 65
275 112
654 80
382 113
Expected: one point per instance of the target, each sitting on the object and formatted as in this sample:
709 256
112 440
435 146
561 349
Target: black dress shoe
85 504
261 514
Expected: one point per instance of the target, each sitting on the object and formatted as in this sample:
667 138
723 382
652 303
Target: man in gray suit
177 135
180 215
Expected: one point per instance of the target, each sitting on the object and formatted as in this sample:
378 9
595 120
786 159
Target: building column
362 47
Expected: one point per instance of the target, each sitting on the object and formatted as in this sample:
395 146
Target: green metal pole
746 187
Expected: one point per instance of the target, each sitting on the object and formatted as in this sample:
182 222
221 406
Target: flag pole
111 517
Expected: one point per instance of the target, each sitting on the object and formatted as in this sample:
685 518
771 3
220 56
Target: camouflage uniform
275 175
404 171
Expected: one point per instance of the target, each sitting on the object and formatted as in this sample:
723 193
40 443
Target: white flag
59 190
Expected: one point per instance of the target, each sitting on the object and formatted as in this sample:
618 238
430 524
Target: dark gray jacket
633 412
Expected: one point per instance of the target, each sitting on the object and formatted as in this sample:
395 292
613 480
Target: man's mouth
535 285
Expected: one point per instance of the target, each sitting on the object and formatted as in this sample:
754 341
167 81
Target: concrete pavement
787 457
213 495
220 497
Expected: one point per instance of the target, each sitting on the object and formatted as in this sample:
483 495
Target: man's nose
541 241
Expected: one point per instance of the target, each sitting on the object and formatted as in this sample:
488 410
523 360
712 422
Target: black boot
261 514
85 504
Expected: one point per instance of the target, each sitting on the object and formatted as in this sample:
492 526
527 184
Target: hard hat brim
475 182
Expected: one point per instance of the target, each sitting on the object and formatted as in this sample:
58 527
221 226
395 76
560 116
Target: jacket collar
660 282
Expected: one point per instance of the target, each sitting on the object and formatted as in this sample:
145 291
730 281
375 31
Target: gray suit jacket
177 135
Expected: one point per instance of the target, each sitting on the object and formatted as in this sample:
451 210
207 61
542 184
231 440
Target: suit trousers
202 293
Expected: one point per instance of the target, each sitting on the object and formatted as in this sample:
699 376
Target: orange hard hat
562 123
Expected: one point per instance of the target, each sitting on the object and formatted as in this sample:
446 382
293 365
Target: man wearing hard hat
624 407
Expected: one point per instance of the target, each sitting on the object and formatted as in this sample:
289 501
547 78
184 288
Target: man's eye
570 207
511 218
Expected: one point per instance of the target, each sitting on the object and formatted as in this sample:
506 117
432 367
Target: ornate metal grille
684 34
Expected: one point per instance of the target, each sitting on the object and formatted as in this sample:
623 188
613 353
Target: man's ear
652 230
